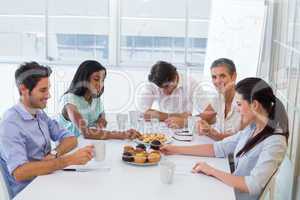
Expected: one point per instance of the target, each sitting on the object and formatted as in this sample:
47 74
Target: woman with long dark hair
258 149
81 108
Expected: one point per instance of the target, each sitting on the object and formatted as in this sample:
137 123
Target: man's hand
82 156
175 122
49 157
151 114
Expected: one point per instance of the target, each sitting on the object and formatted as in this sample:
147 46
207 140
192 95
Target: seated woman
82 111
258 149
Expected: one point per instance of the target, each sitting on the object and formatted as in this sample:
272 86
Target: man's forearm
36 168
163 116
182 115
155 113
66 145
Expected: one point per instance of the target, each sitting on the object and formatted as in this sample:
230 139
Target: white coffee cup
99 150
167 169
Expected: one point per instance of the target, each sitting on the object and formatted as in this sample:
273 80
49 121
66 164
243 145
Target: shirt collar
180 81
253 126
233 108
20 108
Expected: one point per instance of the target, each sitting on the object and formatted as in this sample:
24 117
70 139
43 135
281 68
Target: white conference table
113 179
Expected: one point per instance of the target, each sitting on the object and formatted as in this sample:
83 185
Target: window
151 31
126 32
80 30
147 48
198 21
22 29
82 46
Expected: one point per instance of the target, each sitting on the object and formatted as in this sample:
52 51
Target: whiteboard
235 32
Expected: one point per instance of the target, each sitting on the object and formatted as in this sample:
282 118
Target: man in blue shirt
26 132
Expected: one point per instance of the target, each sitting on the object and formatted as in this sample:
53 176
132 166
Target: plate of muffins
139 155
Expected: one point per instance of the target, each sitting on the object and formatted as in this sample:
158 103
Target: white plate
141 164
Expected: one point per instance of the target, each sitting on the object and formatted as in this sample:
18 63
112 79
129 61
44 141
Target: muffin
140 157
154 157
155 144
129 149
128 157
141 146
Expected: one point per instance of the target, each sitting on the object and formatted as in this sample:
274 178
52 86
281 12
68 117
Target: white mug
99 150
167 169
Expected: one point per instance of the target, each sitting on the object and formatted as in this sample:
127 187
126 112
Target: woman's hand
203 127
102 123
203 167
132 134
209 115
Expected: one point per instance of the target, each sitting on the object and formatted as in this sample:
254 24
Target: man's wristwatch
54 153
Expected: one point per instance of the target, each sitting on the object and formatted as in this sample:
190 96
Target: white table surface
113 179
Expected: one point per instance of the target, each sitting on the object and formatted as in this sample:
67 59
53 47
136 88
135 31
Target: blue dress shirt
258 164
25 138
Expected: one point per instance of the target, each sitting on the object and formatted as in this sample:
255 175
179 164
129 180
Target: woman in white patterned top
221 100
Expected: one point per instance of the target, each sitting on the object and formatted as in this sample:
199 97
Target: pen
69 169
84 170
76 170
182 131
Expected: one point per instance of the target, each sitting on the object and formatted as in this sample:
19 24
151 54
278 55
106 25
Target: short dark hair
82 76
30 73
226 62
162 72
